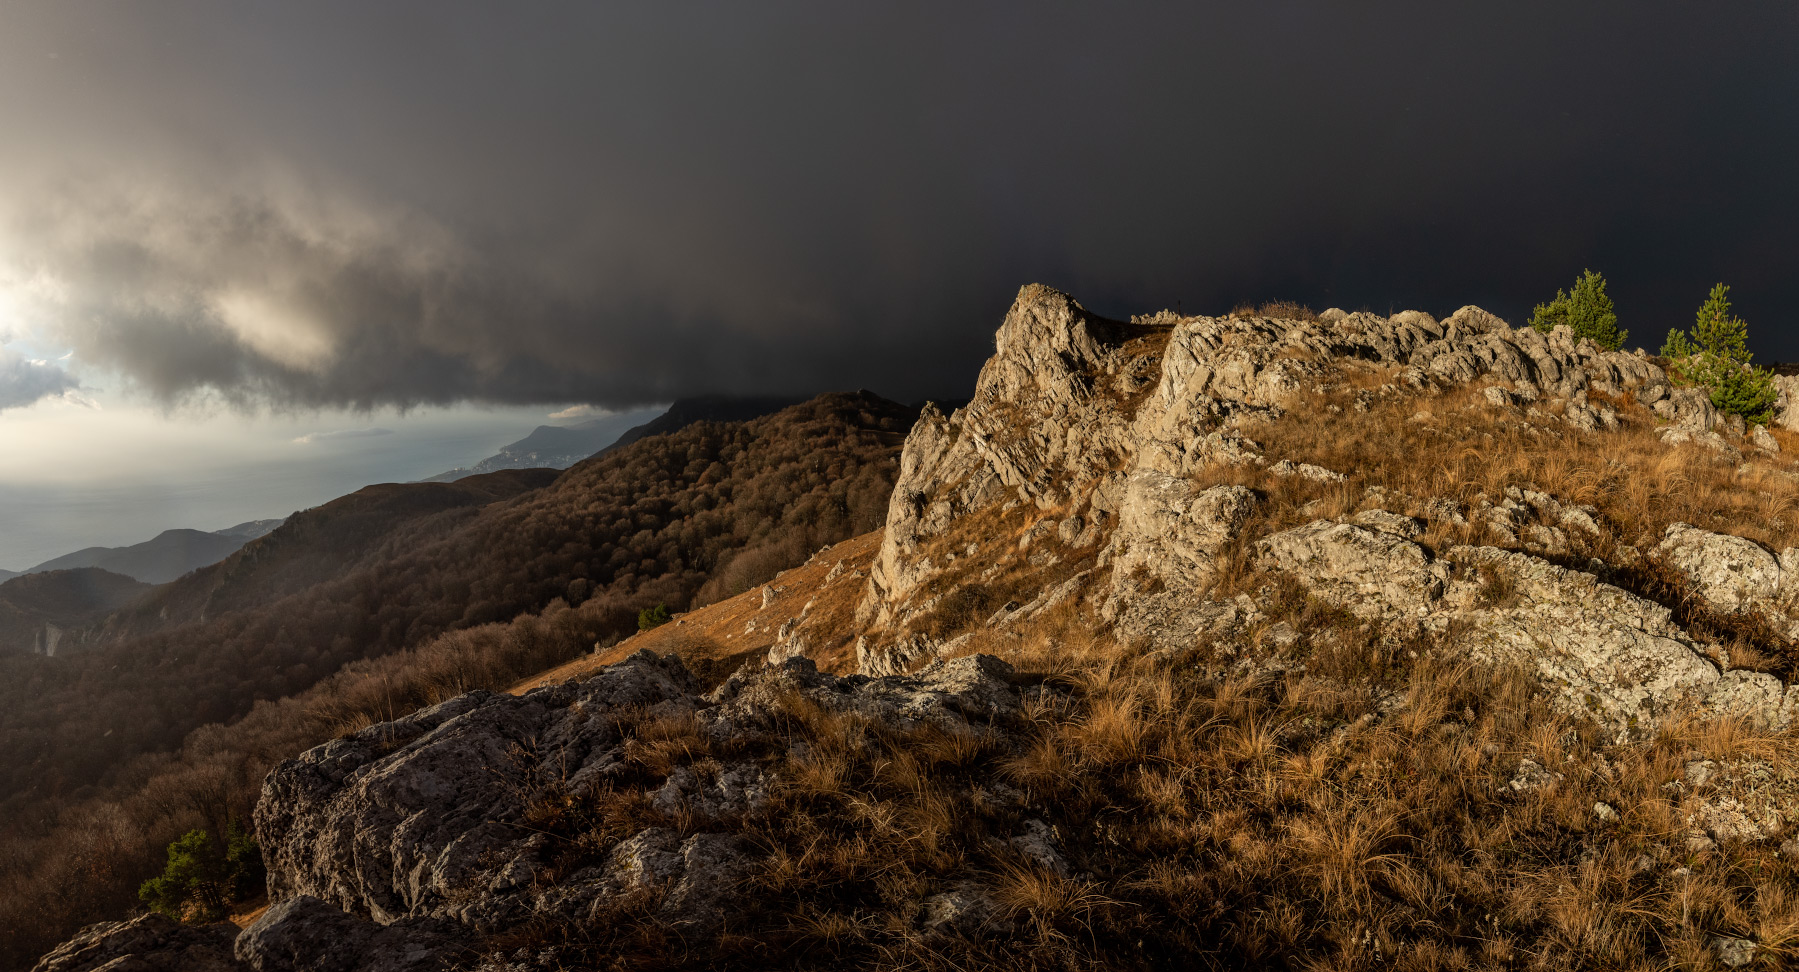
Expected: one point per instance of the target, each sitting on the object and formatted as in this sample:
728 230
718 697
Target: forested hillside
65 599
92 759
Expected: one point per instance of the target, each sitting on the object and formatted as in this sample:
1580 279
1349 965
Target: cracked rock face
405 819
1042 428
407 837
1603 651
1170 531
305 934
1369 570
1732 574
149 943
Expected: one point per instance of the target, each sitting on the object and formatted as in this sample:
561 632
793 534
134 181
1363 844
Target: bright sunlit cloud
312 437
577 412
276 331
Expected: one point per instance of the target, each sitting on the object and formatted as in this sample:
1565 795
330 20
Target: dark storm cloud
344 203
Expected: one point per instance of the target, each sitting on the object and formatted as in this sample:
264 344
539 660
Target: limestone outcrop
1075 412
148 943
409 839
1732 575
1191 403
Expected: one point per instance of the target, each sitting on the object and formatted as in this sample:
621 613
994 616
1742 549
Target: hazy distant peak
250 530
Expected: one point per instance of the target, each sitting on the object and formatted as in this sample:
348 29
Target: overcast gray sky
334 206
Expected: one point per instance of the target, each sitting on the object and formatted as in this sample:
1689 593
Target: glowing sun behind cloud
279 332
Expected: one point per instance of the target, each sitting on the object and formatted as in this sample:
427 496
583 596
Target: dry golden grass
1354 813
716 639
1468 449
1351 808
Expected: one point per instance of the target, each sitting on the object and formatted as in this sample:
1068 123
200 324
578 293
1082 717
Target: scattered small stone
1605 812
1279 635
1735 952
1531 775
1764 440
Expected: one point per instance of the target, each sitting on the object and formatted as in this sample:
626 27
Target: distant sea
40 520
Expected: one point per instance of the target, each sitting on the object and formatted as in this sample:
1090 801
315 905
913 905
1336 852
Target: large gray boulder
1732 574
149 943
1688 410
425 818
1369 570
1603 651
1173 532
1600 650
305 934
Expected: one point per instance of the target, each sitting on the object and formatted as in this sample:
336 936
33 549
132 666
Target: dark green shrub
199 882
1716 355
1587 311
654 617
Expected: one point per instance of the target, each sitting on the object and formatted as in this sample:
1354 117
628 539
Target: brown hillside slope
317 545
67 600
814 603
707 511
1322 641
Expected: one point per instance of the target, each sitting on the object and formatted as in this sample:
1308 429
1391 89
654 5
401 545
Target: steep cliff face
1176 610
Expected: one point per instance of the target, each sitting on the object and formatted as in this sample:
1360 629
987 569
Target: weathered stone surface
1732 574
1742 800
1688 409
954 694
1786 406
1370 571
411 818
1674 436
422 819
149 943
305 934
1604 651
1172 532
693 877
1040 428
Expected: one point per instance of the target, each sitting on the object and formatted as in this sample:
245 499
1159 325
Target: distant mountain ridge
169 555
552 446
704 408
562 446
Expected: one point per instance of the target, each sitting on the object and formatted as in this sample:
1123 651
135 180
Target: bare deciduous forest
392 598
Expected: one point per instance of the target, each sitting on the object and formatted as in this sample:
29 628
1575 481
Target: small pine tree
1586 309
654 617
198 882
1716 356
192 886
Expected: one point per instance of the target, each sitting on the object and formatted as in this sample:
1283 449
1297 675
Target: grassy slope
1343 802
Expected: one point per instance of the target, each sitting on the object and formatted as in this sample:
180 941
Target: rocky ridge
1130 475
1112 423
